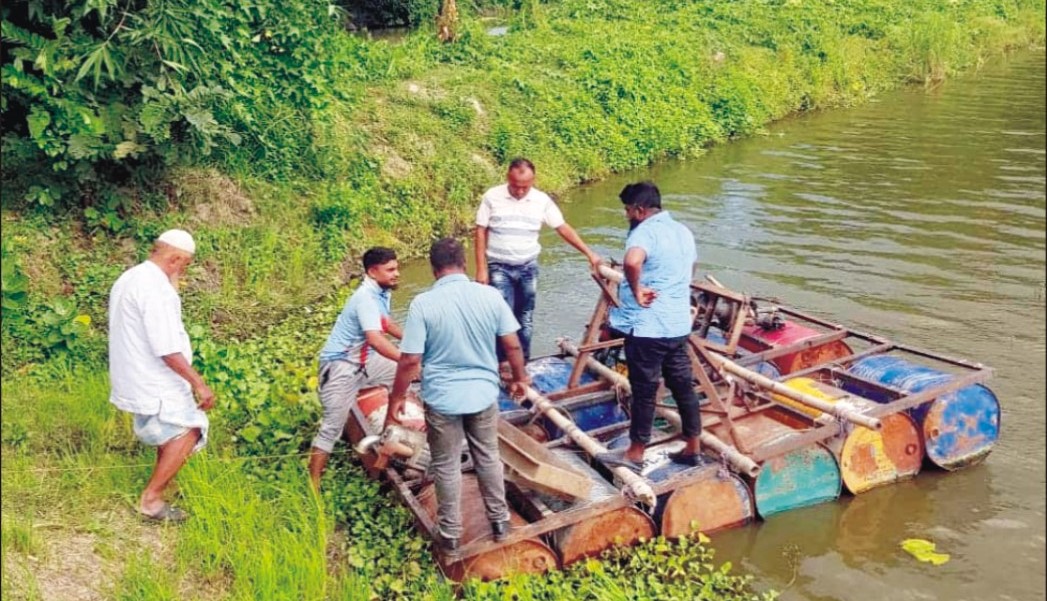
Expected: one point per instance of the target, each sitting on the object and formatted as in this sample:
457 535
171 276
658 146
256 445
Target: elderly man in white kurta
150 366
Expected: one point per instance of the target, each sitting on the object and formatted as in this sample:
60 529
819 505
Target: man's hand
481 277
204 396
645 296
518 388
594 262
393 411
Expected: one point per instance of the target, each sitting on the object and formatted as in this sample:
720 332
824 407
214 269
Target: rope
138 465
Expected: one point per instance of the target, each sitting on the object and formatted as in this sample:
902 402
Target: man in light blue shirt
357 354
451 331
655 317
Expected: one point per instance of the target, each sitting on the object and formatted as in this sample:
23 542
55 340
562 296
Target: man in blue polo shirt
451 330
655 317
357 354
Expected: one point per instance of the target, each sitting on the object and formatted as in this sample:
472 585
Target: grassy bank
410 135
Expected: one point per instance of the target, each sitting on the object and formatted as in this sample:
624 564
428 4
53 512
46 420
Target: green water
919 216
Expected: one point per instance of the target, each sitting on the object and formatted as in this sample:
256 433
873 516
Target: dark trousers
519 287
650 360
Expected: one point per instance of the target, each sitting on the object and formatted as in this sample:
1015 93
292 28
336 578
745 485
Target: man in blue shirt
655 317
451 331
357 354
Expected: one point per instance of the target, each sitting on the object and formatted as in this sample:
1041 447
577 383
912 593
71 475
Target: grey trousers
445 434
340 382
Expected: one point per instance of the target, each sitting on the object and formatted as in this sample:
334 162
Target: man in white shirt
150 366
507 225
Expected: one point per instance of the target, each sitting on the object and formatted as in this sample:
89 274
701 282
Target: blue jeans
519 287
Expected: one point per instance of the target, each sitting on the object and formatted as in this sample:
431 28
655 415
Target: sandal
681 458
618 459
167 515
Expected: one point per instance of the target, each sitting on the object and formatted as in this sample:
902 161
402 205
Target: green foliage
680 570
35 329
374 14
102 89
15 284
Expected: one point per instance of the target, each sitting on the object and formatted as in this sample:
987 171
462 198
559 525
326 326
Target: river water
919 216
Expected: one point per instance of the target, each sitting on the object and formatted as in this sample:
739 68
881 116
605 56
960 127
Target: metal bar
405 494
582 390
796 441
635 485
592 333
597 432
780 351
597 346
735 458
834 326
910 401
894 393
943 358
719 291
606 290
545 525
842 412
582 400
876 350
711 393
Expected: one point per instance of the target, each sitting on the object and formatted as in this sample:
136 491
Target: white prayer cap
179 239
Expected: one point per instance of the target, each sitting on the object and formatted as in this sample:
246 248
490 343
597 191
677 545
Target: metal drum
764 368
374 404
798 478
791 333
719 500
589 415
868 458
806 476
593 535
959 428
548 375
529 556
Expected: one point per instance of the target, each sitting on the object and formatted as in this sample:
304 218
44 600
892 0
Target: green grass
421 128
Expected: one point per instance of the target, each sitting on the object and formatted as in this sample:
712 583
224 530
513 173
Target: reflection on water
920 216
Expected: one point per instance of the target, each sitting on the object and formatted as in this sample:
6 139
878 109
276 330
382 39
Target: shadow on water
920 216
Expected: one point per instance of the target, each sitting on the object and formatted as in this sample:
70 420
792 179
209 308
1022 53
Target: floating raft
796 411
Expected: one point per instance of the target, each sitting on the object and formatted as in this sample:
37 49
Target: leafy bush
35 330
102 90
